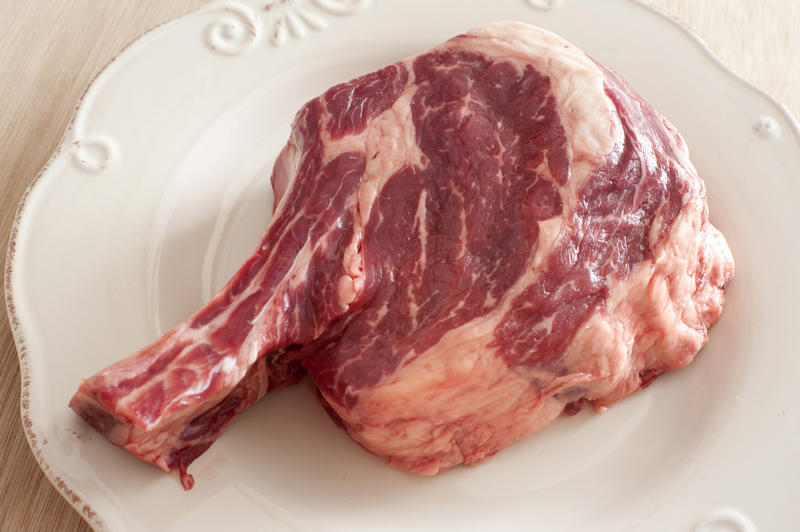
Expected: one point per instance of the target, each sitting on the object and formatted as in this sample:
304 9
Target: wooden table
50 49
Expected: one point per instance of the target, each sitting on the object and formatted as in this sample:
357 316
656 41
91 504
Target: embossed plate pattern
159 189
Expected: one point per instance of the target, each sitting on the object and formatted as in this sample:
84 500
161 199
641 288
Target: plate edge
726 68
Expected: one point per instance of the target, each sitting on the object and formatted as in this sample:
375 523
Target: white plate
159 190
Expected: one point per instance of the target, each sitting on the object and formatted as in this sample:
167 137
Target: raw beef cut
465 245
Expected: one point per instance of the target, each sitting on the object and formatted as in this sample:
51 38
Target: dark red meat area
610 230
318 215
353 104
315 205
494 149
486 182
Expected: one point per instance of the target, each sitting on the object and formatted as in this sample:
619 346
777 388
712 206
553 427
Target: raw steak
465 244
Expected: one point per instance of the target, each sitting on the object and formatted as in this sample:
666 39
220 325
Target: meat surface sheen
465 245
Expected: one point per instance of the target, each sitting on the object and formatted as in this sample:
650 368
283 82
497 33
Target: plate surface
159 190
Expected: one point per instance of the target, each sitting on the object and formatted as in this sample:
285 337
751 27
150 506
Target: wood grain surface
51 49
